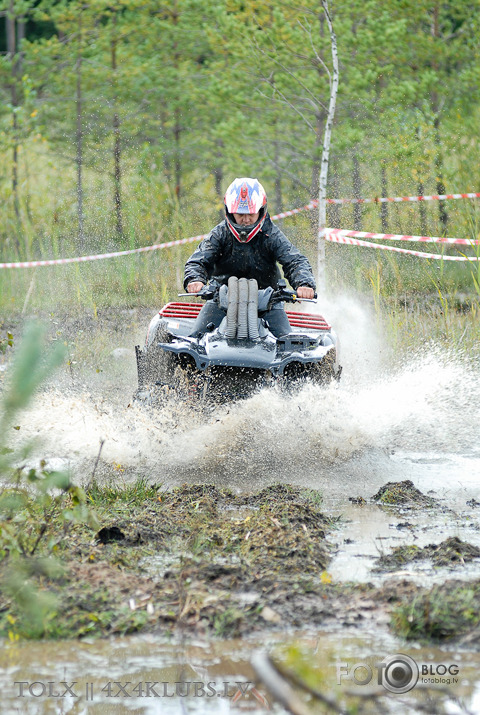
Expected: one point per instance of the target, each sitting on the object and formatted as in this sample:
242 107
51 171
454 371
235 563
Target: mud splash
421 407
386 420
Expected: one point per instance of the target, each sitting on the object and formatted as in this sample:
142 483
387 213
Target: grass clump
285 493
198 558
447 611
403 494
399 556
118 497
451 552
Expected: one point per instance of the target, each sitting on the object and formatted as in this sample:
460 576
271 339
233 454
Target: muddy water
388 420
385 420
140 674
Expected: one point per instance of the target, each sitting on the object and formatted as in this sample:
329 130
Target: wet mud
351 509
204 561
452 552
198 558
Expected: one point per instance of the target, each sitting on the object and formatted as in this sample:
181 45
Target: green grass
120 494
446 611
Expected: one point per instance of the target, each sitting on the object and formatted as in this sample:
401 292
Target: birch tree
322 191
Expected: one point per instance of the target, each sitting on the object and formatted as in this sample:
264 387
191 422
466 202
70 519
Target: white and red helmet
245 196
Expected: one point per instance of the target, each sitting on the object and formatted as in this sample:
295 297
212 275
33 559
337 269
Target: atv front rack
308 321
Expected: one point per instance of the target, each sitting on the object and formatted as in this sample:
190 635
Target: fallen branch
276 685
293 678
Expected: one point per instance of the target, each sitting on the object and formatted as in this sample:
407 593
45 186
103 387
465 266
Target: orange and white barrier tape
99 256
377 200
292 212
284 214
347 237
399 199
115 254
405 237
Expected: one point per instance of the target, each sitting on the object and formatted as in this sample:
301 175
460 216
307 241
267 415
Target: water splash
431 402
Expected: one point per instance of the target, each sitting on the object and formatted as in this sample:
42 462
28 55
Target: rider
247 244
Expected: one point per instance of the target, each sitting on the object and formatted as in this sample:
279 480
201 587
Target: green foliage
37 505
446 611
151 108
34 608
28 371
6 342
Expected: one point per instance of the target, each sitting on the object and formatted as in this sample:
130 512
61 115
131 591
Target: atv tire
155 365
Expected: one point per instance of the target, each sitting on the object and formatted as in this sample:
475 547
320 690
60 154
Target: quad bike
239 356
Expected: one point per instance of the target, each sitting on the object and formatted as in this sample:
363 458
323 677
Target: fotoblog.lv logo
399 673
396 673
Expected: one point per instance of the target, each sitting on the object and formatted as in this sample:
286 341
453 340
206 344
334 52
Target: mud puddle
143 675
367 533
369 530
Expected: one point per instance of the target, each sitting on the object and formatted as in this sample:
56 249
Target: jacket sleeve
296 266
202 261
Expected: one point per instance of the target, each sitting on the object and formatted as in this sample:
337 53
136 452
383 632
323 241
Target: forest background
122 123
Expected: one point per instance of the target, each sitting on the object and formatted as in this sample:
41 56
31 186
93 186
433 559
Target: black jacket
220 255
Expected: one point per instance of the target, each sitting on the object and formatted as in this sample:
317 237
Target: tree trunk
278 173
12 48
423 210
357 193
117 147
177 129
384 205
79 138
19 71
421 190
322 192
442 211
166 158
218 176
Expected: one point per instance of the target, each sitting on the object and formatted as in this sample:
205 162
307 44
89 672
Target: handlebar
289 296
206 293
281 294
